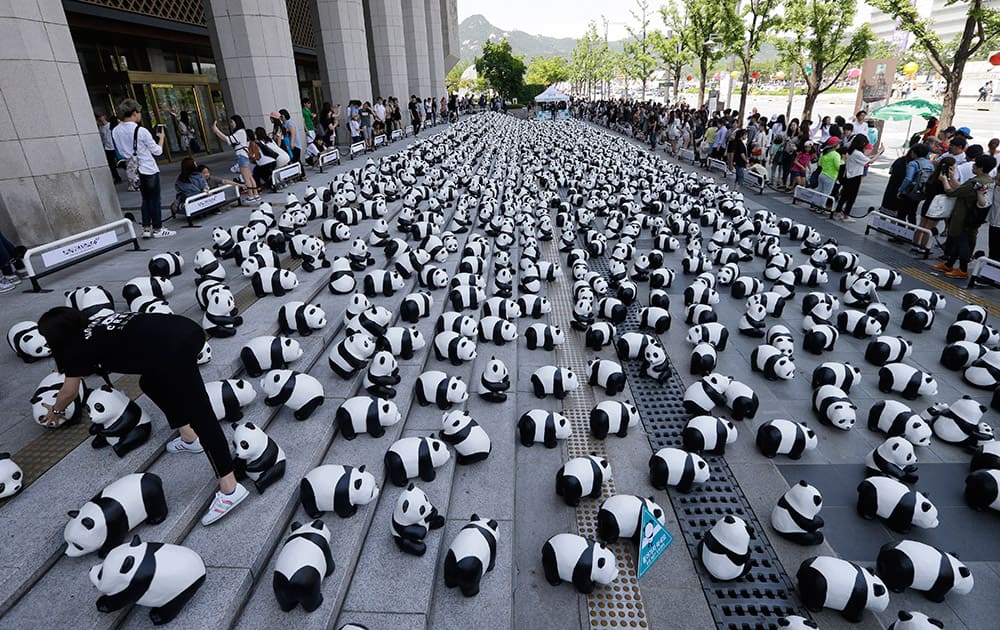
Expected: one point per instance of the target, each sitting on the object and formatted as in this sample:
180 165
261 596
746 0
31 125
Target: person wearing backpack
963 225
911 191
246 151
137 146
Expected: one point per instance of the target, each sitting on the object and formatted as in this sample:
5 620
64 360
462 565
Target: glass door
174 104
211 108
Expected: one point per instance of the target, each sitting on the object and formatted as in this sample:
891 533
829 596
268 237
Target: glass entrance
170 105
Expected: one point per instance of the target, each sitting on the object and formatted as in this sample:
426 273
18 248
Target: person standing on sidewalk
855 165
131 138
737 153
414 114
963 225
829 165
240 138
104 129
307 120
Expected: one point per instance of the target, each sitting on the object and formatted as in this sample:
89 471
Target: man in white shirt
963 171
130 137
860 125
104 128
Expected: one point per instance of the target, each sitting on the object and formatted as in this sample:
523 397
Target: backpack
916 191
132 164
253 151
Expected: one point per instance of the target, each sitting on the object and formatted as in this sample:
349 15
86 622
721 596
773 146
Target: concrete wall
384 21
449 29
417 56
54 178
435 48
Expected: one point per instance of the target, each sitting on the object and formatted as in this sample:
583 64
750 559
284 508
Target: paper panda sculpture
92 301
914 620
907 381
582 477
582 561
984 373
261 354
841 375
620 516
273 281
704 359
613 417
885 350
893 458
895 419
960 423
304 560
834 408
796 517
363 414
972 313
416 306
632 345
436 387
494 381
150 285
821 338
986 457
706 434
454 348
606 374
221 317
772 363
753 323
982 490
656 318
257 456
382 375
338 489
204 355
412 457
703 395
545 337
545 427
712 332
550 380
351 355
895 504
207 266
412 518
785 437
828 582
961 354
27 343
11 476
373 321
968 330
471 555
917 319
534 306
301 318
302 393
796 622
104 522
858 324
166 265
676 468
117 421
724 550
912 564
228 398
599 334
742 400
466 436
496 330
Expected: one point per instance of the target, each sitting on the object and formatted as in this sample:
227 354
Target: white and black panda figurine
984 373
858 324
834 408
342 280
338 489
828 582
204 355
301 318
416 306
363 414
27 343
895 504
797 622
821 338
494 381
915 620
545 427
796 517
436 387
257 456
411 457
302 393
11 476
656 318
982 489
273 281
712 332
781 338
960 423
606 374
773 363
753 322
986 457
707 434
917 319
471 555
497 330
117 421
162 577
382 283
455 348
382 375
907 381
166 265
785 437
885 350
972 313
582 561
704 359
228 398
894 458
724 550
152 286
92 301
548 337
912 564
893 418
412 519
349 356
402 342
841 375
104 522
632 345
582 477
221 317
745 286
676 468
699 314
261 354
620 516
304 560
962 354
613 417
534 306
742 400
703 395
465 435
550 380
967 330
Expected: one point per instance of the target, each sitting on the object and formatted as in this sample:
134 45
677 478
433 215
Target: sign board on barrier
326 158
397 134
813 197
408 130
753 180
357 148
196 205
890 225
82 247
686 154
653 541
984 270
718 165
380 139
287 173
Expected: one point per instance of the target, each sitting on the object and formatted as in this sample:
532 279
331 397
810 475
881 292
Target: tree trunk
703 67
677 83
744 93
812 93
644 89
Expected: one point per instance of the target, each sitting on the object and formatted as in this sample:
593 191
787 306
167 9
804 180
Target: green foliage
670 46
529 91
502 70
547 70
760 19
638 61
713 28
592 61
453 80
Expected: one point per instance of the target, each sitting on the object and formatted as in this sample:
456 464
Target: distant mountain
476 30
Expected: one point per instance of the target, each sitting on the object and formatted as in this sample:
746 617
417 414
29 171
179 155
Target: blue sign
653 541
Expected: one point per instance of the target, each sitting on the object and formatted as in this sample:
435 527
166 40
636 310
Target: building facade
948 18
204 59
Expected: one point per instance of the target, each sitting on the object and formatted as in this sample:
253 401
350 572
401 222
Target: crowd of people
833 157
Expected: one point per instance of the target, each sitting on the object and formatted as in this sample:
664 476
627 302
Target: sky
555 18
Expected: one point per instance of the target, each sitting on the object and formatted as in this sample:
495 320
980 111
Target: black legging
175 386
849 188
959 247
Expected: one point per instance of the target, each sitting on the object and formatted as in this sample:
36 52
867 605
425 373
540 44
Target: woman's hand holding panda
67 394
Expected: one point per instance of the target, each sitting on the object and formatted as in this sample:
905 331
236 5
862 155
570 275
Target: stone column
343 54
435 48
417 55
54 178
387 50
449 30
252 45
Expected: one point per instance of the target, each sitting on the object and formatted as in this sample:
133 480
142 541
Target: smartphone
160 129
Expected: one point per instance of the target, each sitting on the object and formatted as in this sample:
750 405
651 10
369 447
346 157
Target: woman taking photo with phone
239 138
137 146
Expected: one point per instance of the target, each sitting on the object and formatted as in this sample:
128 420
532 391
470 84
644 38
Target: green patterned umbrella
906 110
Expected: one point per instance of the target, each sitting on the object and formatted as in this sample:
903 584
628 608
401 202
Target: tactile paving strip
764 595
618 605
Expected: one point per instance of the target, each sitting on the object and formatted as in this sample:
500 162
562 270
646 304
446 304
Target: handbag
132 164
940 207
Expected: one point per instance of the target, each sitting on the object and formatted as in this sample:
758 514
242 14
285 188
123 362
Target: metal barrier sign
357 149
287 173
328 157
79 248
397 134
380 139
66 252
813 197
208 201
753 180
718 165
408 130
686 154
898 228
985 270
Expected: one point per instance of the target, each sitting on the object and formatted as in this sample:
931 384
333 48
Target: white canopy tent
551 95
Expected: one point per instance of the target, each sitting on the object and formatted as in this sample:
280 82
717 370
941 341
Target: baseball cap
965 131
274 115
832 141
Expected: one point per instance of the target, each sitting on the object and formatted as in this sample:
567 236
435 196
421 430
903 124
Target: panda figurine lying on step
582 477
104 522
828 582
796 515
304 560
911 564
582 561
620 516
471 555
412 518
336 488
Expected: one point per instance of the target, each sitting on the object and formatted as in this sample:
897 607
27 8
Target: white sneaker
5 286
163 233
223 503
146 233
15 279
178 445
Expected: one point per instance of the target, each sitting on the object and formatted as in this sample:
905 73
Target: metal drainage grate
764 595
618 605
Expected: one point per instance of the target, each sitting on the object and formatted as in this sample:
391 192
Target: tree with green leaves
502 70
982 29
822 45
670 45
591 61
640 62
713 26
760 21
453 80
547 70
